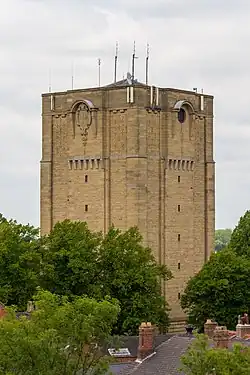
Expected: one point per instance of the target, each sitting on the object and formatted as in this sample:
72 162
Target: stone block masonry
132 156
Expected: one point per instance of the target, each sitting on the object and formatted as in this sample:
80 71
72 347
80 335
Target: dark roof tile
237 340
166 360
132 342
122 368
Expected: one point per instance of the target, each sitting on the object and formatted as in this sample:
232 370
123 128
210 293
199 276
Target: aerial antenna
116 57
133 64
50 81
99 72
72 76
147 58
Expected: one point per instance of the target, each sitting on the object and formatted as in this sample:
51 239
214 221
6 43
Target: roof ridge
150 356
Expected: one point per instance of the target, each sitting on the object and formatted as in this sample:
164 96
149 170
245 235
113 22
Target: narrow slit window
86 208
179 178
181 115
179 266
179 208
179 295
86 178
179 237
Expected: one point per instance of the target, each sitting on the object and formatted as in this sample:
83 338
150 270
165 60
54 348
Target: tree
220 291
222 238
240 239
202 359
61 337
19 262
70 260
134 278
76 261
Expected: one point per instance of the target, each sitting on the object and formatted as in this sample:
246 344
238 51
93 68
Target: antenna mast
147 58
116 57
72 76
99 72
50 81
133 64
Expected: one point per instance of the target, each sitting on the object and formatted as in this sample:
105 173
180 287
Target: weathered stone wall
133 164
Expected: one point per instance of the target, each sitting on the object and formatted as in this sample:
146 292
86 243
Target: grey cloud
177 9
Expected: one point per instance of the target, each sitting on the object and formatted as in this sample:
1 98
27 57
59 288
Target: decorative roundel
182 115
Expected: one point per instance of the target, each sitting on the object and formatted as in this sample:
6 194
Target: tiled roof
132 343
166 360
167 357
122 368
126 82
237 340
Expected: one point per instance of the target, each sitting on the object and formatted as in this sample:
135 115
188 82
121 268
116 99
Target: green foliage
73 261
201 359
220 291
70 260
61 337
76 261
240 239
133 277
19 262
222 238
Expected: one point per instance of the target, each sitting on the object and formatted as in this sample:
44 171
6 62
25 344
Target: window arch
184 108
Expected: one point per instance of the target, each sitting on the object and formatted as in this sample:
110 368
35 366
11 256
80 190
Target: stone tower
133 155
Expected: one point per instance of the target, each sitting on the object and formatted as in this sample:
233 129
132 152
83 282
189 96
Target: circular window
181 115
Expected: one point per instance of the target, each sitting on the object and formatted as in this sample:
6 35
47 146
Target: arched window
182 115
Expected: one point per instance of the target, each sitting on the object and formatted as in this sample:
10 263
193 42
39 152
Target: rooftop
166 359
128 81
125 82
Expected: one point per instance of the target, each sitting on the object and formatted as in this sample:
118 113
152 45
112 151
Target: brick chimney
242 330
146 340
209 328
243 326
221 337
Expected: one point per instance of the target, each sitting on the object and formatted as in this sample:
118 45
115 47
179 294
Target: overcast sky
193 43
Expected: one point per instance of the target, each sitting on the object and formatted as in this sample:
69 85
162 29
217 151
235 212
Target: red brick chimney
146 340
221 337
2 311
209 328
243 326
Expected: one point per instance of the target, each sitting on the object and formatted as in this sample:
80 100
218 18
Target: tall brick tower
133 155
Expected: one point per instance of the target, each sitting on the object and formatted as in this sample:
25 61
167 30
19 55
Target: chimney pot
209 328
189 330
